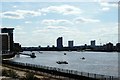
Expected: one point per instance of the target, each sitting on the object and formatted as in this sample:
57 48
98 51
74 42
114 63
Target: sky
41 23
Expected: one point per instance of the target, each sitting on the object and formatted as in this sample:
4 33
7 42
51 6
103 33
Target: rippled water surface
105 63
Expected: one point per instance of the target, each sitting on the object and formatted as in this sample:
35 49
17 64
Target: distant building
109 47
70 44
10 33
59 42
118 47
92 43
53 46
5 42
17 47
48 46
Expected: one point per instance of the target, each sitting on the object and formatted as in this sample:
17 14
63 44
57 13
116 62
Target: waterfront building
92 43
53 46
109 47
10 33
48 46
17 47
5 42
118 47
70 44
59 42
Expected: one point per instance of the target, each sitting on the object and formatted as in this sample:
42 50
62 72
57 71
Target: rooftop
7 28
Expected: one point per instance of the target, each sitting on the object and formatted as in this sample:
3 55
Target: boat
62 62
40 52
80 50
69 51
32 55
64 53
82 58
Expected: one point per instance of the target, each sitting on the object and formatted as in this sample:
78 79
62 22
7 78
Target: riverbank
53 73
21 72
57 73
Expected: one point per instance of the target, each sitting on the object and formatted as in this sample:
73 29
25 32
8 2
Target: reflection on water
105 63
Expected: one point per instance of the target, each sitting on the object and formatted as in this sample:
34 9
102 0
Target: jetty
31 55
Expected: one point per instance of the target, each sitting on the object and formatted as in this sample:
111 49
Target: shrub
4 72
30 76
9 73
13 74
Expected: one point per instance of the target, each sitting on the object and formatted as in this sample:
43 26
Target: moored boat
62 62
32 55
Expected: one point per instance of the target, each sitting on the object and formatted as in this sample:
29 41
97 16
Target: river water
105 63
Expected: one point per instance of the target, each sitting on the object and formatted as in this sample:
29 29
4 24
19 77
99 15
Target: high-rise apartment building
70 44
5 42
92 43
10 34
59 42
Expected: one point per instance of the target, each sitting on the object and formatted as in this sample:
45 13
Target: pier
31 55
74 75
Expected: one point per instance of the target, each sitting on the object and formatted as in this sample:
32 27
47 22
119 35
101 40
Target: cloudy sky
41 23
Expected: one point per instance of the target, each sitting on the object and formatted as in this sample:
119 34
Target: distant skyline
41 23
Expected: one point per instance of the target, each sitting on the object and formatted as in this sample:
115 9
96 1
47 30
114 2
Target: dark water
105 63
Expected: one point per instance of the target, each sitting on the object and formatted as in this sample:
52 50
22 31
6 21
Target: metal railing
72 72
